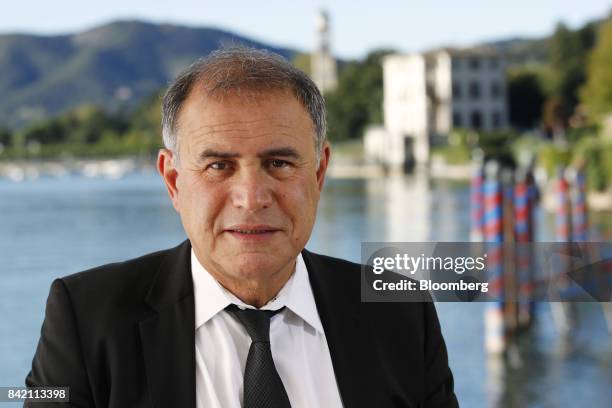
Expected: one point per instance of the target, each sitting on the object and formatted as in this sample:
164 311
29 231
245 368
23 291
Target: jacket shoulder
116 272
118 290
331 263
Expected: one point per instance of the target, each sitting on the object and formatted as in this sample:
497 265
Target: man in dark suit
240 314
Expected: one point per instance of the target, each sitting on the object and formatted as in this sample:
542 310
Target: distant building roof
480 51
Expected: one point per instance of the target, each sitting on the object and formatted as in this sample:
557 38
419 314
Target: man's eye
218 166
277 163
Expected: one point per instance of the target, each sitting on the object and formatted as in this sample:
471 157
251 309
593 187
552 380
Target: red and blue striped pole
579 218
534 197
495 335
477 202
521 207
563 217
509 251
523 236
579 208
563 226
563 311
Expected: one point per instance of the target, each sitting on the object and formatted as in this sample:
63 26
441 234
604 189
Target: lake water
51 227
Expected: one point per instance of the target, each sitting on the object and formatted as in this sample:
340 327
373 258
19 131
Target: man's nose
252 190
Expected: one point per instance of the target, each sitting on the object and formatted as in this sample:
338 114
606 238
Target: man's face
247 185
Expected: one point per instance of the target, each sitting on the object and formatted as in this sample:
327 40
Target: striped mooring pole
579 208
509 249
563 215
495 335
564 313
523 230
477 201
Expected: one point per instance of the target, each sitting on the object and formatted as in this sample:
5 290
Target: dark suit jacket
123 335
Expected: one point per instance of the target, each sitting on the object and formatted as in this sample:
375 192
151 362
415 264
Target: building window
474 63
494 63
456 90
476 119
496 119
455 64
457 120
474 90
495 90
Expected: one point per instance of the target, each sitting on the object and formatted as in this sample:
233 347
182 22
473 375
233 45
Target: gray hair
237 69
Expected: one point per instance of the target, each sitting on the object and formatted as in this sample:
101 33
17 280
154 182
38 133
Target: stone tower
322 63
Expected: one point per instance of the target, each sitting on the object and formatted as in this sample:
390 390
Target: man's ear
325 155
167 169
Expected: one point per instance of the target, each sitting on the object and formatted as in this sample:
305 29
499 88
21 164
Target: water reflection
55 226
407 199
543 368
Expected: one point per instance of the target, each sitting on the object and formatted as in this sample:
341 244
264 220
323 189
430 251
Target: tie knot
255 321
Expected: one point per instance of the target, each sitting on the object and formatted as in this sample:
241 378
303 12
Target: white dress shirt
298 343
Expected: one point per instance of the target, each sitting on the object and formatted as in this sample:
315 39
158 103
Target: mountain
112 65
522 50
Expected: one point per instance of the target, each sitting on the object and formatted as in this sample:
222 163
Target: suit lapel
337 294
168 338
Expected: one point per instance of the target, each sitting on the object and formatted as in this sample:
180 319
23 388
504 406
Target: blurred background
478 120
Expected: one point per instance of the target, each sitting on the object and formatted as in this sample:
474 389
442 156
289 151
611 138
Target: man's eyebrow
278 152
282 152
216 154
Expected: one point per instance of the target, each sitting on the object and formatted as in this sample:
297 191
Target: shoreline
111 168
19 170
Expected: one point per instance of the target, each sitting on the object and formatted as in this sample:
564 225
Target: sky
357 26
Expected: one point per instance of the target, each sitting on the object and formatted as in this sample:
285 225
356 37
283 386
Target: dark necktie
263 387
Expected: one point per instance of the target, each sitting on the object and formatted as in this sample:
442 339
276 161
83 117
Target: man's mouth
252 232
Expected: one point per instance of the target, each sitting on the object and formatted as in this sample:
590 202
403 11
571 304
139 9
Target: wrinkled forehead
245 121
248 96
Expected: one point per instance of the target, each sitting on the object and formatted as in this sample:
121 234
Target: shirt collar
211 298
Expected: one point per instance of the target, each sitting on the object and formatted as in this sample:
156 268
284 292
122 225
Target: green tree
86 124
49 131
357 101
553 114
567 57
302 62
82 126
597 93
146 122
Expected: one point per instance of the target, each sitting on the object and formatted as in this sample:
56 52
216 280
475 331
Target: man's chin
252 265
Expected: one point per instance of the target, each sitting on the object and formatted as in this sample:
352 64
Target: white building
427 95
322 63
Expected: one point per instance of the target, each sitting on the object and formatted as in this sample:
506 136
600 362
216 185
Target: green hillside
112 66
